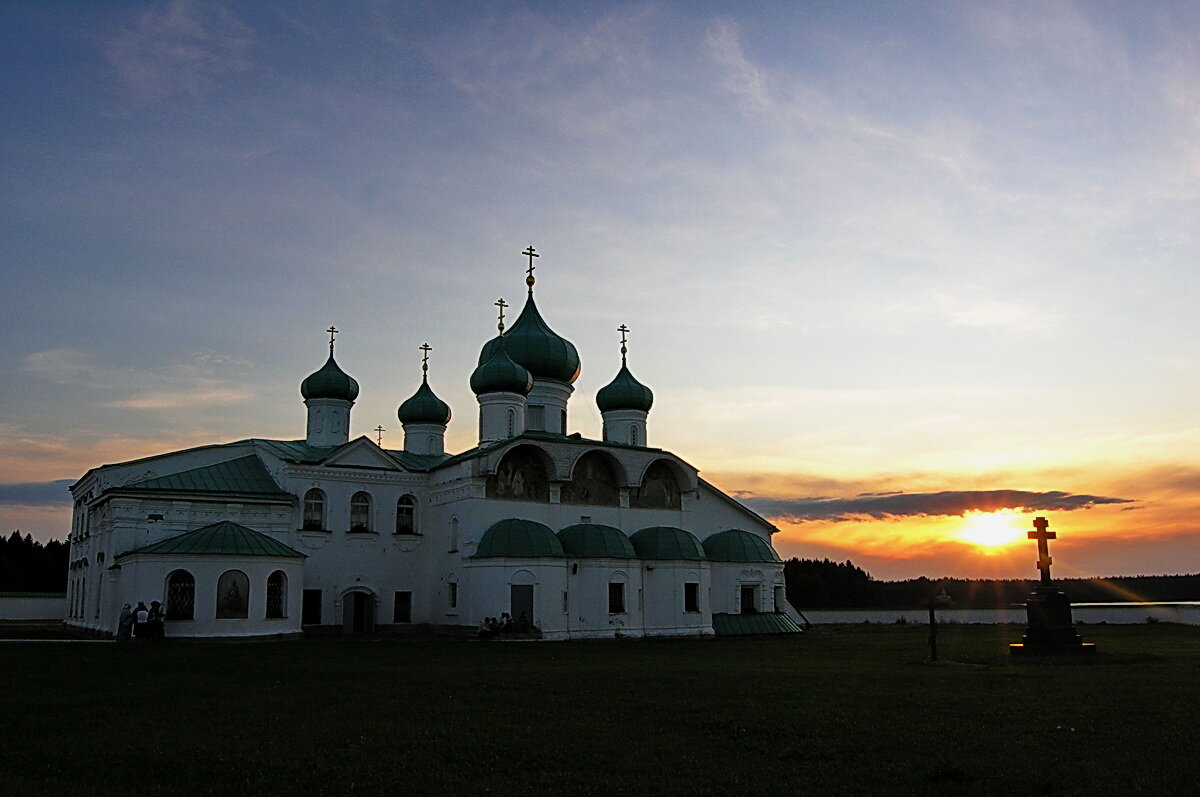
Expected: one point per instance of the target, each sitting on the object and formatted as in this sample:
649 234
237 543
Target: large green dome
533 344
593 540
424 407
624 393
735 545
667 542
499 374
519 538
331 382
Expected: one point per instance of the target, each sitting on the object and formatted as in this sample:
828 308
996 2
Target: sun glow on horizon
991 529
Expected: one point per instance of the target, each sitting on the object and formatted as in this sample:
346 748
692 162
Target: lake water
1187 613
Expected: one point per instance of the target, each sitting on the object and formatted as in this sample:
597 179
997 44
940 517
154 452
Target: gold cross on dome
501 304
425 347
332 331
379 430
531 254
623 330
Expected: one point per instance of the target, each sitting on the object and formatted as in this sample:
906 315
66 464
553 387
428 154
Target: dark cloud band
952 502
36 493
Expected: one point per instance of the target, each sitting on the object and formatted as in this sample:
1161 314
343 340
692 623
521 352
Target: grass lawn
840 710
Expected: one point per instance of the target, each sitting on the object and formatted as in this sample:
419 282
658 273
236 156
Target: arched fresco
594 482
659 489
521 476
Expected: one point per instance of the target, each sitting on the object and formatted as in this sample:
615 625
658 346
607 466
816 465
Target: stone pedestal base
1051 630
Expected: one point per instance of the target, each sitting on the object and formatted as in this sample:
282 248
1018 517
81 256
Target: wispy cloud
949 502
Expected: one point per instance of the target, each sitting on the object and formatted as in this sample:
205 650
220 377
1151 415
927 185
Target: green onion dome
499 374
424 407
624 393
593 540
735 545
667 542
532 344
518 538
331 382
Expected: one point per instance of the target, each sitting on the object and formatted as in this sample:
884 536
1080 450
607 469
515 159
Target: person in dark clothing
140 616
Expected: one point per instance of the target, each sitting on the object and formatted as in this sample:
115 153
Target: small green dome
424 407
667 542
590 540
624 393
331 382
735 545
533 344
518 538
499 374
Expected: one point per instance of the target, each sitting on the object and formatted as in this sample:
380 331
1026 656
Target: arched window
233 596
276 595
406 515
522 475
616 595
360 512
453 535
594 481
659 490
314 510
181 596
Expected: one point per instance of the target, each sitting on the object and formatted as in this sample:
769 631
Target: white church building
582 538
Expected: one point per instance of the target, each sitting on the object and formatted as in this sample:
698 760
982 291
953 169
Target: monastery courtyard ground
841 710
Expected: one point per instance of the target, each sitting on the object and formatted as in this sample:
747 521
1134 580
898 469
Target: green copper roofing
300 452
588 540
223 538
532 344
624 393
518 538
499 374
246 475
742 624
424 407
667 542
330 382
735 545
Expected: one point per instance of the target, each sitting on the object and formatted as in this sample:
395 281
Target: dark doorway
521 601
402 610
358 613
310 612
749 600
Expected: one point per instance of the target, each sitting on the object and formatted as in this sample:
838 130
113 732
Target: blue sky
924 247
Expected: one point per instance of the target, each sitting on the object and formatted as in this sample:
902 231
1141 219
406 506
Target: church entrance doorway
521 601
358 613
749 599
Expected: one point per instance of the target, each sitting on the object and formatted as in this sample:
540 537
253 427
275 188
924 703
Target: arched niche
522 475
595 481
661 488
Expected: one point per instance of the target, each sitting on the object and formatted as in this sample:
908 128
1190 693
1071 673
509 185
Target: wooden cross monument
1043 536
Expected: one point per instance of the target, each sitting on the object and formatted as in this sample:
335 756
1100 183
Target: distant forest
813 584
27 565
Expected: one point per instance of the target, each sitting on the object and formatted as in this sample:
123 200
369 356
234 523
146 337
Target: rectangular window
310 612
536 418
402 608
691 597
616 599
749 600
562 423
453 595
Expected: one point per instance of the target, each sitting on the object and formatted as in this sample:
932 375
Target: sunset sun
991 529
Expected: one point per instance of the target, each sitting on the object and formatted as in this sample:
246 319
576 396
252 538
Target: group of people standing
141 623
491 627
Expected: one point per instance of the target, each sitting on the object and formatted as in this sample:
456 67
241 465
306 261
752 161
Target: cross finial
531 254
379 430
624 330
501 304
1042 535
332 331
426 348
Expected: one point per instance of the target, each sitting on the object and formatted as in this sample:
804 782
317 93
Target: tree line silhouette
825 584
27 565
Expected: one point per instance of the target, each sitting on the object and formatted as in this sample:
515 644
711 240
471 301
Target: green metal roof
743 624
302 453
245 475
499 374
533 344
624 393
667 542
330 381
223 538
519 538
588 540
424 407
735 545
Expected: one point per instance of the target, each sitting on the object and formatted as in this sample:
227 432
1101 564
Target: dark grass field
843 710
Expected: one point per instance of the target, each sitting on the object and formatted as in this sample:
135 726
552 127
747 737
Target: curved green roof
591 540
223 538
735 545
329 382
499 374
424 407
667 542
624 393
519 538
533 344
